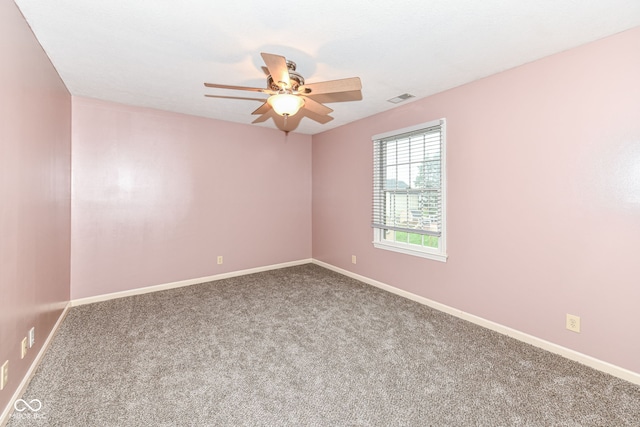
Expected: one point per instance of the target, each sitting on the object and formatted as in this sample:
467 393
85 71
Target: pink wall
157 196
35 153
543 199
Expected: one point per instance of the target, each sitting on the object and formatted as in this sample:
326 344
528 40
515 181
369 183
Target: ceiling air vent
400 98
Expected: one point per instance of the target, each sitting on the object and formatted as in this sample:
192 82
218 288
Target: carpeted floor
304 346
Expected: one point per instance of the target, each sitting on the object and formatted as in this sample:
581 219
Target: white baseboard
592 362
182 283
6 413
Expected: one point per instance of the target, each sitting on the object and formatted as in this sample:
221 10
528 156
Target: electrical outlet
573 323
4 374
220 260
353 259
23 348
32 336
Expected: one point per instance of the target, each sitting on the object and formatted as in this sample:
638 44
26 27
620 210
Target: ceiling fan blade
235 97
262 118
277 66
331 86
315 107
322 119
252 89
352 95
262 109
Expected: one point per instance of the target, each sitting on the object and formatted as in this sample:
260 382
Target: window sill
410 251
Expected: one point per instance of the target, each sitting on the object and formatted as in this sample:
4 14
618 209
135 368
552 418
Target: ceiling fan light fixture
285 104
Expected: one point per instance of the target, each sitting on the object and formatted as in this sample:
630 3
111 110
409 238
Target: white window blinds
407 181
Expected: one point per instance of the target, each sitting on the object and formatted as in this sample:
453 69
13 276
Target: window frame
439 253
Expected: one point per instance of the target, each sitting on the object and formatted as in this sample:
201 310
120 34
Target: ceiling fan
290 99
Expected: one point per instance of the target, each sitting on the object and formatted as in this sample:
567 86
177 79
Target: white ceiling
159 53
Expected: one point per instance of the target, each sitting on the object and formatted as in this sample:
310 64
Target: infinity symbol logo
21 405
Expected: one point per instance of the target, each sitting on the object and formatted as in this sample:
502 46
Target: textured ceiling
159 53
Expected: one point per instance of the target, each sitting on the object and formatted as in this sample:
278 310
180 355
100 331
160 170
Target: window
409 191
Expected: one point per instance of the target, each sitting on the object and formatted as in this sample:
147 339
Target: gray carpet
305 346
